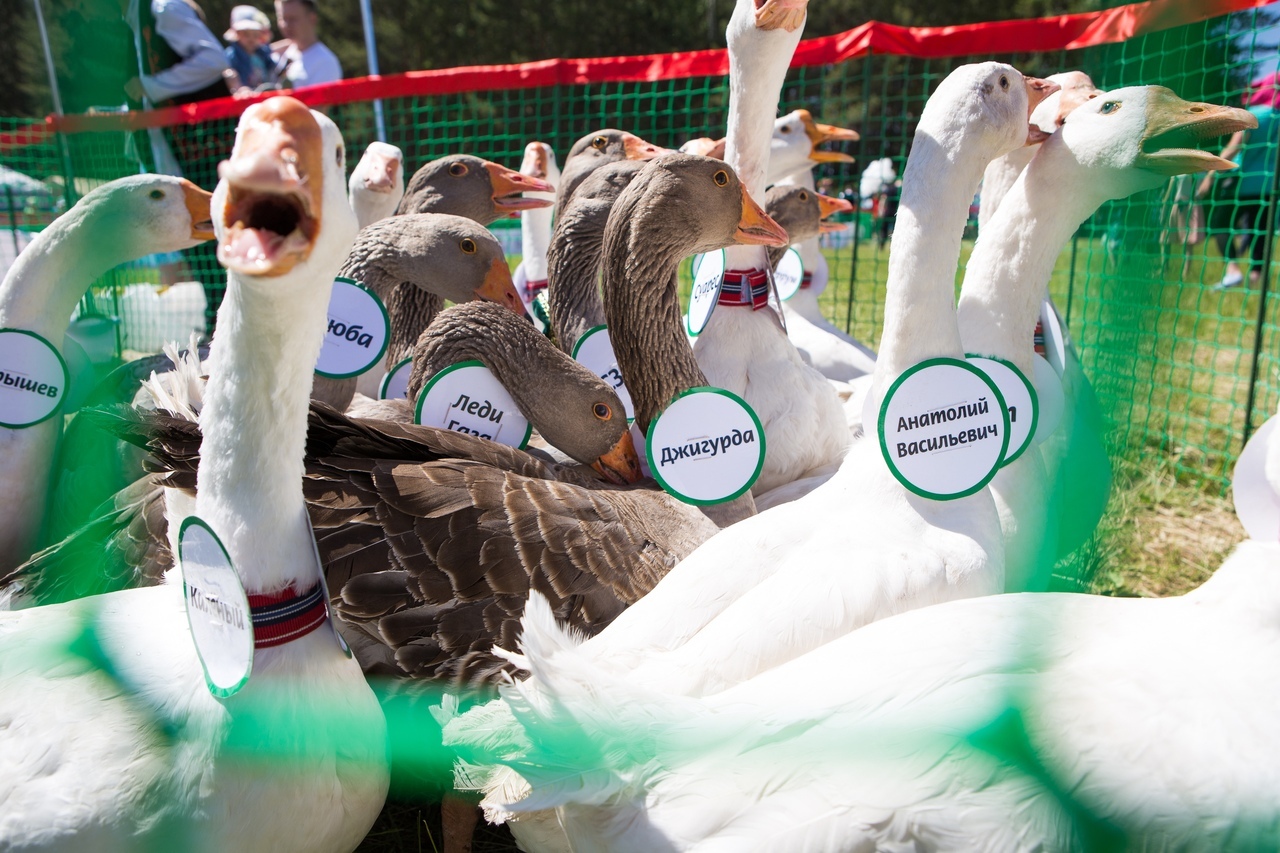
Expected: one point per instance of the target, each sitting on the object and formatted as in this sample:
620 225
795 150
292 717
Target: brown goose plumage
608 145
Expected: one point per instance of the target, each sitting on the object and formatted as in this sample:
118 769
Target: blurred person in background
303 58
179 59
252 67
1241 211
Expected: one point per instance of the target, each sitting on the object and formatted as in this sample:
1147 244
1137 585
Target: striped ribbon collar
1038 338
283 617
744 289
531 288
806 281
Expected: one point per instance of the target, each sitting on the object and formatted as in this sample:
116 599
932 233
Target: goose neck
254 424
1011 264
535 238
573 263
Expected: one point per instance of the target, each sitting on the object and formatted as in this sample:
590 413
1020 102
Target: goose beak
535 161
381 177
1175 126
197 202
275 183
636 148
827 206
507 186
621 465
757 228
820 133
498 287
705 146
1037 91
780 14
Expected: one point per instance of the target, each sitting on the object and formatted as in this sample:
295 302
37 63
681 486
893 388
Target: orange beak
382 176
621 465
637 149
780 14
508 184
820 133
1175 127
706 147
1037 91
827 206
757 228
498 287
197 201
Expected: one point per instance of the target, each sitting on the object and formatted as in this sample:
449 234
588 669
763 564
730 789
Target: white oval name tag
706 290
594 351
707 447
33 379
1020 401
395 383
1257 504
789 274
217 608
467 397
1052 400
358 331
944 430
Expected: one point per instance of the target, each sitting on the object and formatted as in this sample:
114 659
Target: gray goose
414 262
594 150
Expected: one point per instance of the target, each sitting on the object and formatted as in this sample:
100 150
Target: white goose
111 739
743 349
118 222
1110 149
535 227
377 183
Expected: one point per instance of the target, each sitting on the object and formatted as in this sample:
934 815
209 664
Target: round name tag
594 351
706 290
217 608
358 331
1257 504
707 447
395 383
521 280
944 430
789 274
33 379
1020 401
1055 342
1052 400
466 397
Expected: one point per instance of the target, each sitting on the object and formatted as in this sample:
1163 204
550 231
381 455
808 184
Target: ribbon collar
744 289
286 616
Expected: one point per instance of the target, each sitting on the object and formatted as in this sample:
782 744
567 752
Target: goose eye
804 196
721 178
468 245
786 128
1004 82
1109 107
599 143
337 155
458 169
602 411
156 194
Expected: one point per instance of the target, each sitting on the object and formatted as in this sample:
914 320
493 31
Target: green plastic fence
1182 369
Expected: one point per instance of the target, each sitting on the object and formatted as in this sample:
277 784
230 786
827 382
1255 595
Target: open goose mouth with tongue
1175 127
275 183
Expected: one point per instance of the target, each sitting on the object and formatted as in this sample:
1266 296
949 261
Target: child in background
252 68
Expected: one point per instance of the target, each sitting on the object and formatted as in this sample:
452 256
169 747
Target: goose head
801 210
1075 87
573 408
160 213
795 141
540 162
284 177
705 146
983 110
377 183
471 187
608 145
1137 137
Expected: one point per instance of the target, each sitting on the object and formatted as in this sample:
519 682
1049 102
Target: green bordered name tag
217 608
706 447
1020 400
707 277
357 334
33 379
1256 501
466 397
943 429
395 382
789 274
594 351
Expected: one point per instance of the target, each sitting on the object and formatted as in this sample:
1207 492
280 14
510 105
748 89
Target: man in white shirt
307 61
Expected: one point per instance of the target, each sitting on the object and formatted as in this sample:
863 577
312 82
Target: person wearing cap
305 60
253 69
1241 208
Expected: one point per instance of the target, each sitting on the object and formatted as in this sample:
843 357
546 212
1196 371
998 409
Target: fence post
857 208
1262 298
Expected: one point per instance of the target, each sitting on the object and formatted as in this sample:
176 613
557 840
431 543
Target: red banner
1037 35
